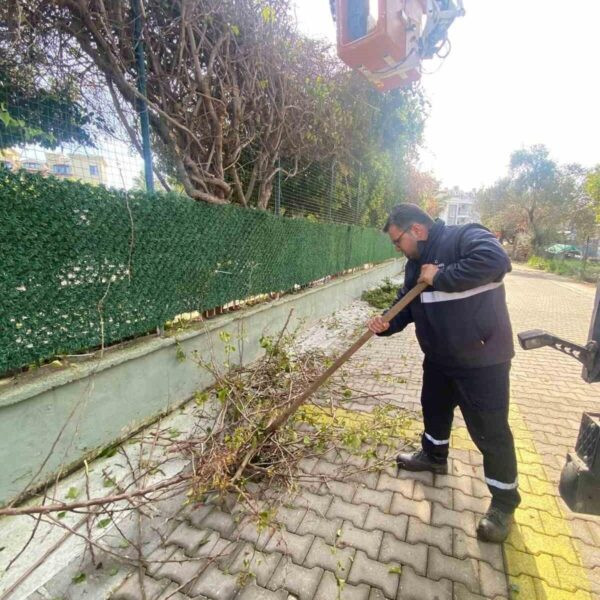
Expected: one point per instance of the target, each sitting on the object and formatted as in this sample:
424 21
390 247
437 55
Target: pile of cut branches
229 453
229 446
239 449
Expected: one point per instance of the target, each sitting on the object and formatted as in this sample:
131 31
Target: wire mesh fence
84 266
320 192
110 164
87 140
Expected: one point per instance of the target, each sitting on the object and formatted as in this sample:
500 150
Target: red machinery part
380 39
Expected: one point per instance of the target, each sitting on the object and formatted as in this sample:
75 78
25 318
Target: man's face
405 240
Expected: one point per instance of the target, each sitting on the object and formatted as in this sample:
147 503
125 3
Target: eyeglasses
397 241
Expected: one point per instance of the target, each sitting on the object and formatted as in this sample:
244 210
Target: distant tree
577 214
592 189
499 212
423 188
535 188
539 197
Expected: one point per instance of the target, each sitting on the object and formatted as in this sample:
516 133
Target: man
464 330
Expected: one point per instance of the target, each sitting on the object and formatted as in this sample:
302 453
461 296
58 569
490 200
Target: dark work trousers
482 394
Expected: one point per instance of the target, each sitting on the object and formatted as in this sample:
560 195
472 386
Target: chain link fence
84 266
322 192
100 153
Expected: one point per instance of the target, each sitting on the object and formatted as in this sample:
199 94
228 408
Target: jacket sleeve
482 260
402 319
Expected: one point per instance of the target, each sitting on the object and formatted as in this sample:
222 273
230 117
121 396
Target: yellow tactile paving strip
541 557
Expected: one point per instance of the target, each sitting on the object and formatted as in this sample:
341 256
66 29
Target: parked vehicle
564 251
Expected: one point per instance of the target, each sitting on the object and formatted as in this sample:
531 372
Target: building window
61 169
94 171
31 166
452 214
6 164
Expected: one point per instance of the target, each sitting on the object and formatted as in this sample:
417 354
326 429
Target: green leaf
5 118
397 570
108 452
268 14
72 493
61 514
79 578
104 523
113 571
179 353
200 398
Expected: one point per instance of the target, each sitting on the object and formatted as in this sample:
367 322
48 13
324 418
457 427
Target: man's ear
421 232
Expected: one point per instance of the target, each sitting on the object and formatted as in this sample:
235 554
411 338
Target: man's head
407 225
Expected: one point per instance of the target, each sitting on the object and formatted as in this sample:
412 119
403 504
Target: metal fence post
278 195
357 206
331 190
142 105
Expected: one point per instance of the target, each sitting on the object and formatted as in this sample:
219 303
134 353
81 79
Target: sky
520 72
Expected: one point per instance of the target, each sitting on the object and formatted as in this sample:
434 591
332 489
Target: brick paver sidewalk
375 535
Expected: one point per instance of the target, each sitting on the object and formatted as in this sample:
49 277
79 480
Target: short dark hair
404 215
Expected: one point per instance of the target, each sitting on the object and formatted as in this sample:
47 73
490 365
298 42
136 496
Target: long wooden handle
365 337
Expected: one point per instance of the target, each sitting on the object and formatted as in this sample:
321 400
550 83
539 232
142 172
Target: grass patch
567 267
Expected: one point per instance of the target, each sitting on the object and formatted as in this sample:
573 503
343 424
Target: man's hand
378 325
428 272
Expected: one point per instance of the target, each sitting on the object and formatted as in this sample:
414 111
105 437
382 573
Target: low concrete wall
50 423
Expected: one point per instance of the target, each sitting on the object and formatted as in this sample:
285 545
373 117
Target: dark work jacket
462 320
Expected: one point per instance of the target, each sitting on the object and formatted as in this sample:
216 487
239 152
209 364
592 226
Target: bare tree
231 85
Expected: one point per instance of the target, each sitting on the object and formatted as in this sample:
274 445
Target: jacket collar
434 234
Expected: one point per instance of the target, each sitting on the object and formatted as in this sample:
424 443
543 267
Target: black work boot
420 461
495 525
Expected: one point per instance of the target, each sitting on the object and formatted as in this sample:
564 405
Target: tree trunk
534 231
265 191
585 257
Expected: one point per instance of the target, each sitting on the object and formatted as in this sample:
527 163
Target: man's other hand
378 325
428 272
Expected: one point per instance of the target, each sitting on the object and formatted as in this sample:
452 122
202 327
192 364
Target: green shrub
590 271
382 296
537 262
